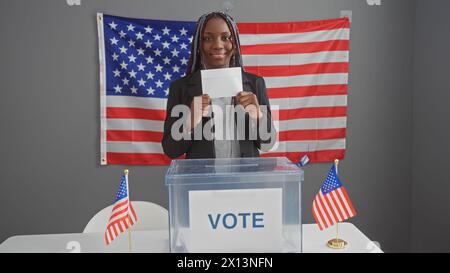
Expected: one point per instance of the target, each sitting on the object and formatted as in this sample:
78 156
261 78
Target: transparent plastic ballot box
235 205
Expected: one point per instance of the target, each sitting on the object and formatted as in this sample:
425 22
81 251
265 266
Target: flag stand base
337 244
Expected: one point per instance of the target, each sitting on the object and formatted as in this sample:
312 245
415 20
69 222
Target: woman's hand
249 101
200 106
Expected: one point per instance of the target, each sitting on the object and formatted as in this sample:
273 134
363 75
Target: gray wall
51 179
431 134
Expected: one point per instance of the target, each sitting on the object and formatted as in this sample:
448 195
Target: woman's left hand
246 98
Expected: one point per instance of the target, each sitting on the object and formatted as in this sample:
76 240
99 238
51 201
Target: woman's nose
217 43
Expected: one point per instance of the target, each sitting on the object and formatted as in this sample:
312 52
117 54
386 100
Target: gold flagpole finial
126 171
336 161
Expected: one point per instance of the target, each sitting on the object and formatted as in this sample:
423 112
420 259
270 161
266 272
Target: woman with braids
216 45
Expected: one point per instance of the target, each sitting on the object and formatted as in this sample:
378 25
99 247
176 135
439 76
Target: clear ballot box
235 205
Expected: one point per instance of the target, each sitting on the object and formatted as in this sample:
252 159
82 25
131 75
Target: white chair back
150 216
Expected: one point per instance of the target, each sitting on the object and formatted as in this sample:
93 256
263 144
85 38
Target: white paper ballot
222 82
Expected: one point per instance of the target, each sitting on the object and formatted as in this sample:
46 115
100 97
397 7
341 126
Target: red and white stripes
332 208
122 217
305 66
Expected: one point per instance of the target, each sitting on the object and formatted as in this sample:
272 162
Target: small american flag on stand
123 215
332 204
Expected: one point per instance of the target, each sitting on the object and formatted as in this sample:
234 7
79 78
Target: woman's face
216 44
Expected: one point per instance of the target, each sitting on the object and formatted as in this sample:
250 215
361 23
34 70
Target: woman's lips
218 56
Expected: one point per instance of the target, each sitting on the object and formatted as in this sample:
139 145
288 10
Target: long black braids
195 62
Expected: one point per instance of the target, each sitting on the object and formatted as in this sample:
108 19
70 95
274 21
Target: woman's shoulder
251 77
180 81
184 80
253 80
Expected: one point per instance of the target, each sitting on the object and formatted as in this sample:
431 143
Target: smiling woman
213 25
216 45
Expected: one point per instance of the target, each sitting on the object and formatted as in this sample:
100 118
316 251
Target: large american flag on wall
305 66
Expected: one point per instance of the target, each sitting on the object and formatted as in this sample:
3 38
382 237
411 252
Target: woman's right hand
200 106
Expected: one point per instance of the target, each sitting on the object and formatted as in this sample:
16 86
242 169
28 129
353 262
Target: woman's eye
223 38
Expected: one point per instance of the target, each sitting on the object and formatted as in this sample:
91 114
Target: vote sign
241 220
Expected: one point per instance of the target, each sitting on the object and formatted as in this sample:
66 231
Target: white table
314 241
